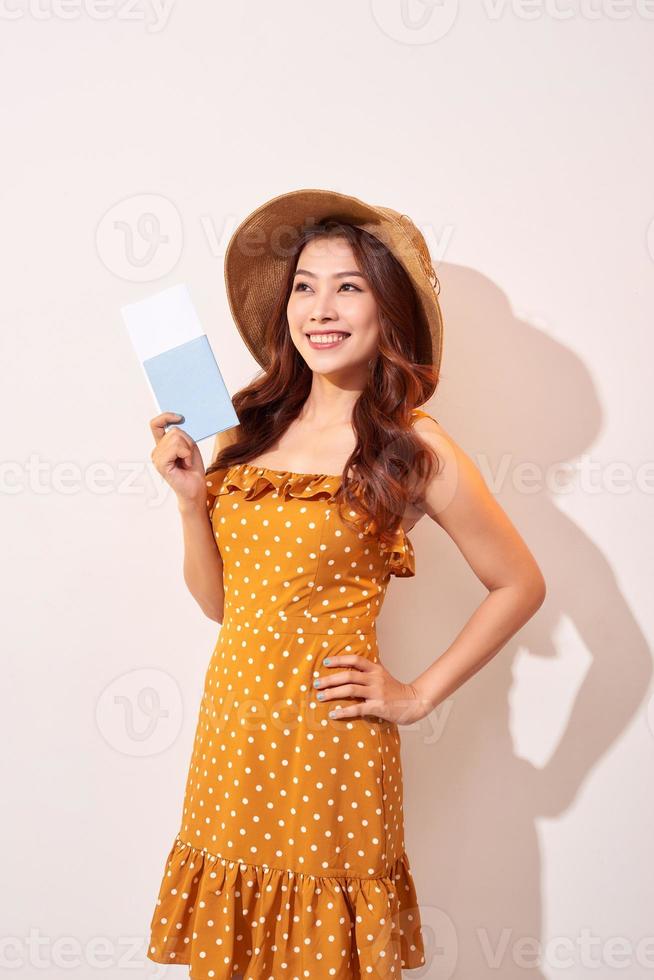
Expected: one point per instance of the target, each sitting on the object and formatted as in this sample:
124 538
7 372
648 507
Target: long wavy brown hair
390 465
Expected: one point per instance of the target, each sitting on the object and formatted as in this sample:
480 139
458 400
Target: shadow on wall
523 406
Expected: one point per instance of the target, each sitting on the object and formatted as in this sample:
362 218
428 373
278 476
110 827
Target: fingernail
321 695
326 660
180 417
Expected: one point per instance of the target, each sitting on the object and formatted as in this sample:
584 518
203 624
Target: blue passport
178 361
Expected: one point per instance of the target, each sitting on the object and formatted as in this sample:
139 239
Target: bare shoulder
459 500
436 437
457 490
225 438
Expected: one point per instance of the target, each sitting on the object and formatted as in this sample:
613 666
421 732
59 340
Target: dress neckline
281 472
297 484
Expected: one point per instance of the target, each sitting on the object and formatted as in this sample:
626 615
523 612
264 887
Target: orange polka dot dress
290 860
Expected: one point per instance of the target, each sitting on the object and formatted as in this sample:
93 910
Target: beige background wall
519 138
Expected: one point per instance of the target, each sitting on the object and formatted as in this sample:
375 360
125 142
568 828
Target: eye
299 287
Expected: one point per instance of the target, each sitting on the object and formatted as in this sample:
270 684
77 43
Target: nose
322 312
323 309
322 318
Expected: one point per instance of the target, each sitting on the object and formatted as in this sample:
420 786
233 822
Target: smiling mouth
332 334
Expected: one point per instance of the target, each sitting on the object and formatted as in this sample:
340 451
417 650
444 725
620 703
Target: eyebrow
337 275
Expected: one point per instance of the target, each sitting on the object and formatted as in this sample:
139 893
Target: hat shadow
519 740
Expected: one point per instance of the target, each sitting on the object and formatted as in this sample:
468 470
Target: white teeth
328 338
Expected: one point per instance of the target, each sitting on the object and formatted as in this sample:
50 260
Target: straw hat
257 256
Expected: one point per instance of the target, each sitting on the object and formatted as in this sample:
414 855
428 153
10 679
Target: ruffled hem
222 917
255 480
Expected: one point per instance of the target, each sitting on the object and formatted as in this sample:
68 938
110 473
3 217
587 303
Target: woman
290 860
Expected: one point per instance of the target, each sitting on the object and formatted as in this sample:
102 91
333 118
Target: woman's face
330 296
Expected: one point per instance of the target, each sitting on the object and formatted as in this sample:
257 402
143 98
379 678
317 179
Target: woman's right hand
177 458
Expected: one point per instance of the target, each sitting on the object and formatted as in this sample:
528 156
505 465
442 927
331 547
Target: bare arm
203 564
177 458
458 499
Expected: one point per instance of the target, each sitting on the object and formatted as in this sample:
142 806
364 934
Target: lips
323 344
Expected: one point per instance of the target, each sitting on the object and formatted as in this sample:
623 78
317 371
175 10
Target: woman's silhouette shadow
510 395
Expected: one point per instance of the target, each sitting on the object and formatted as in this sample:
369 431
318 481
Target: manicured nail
326 660
180 417
316 683
332 714
321 695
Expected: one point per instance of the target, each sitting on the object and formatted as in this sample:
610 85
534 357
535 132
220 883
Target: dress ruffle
402 560
344 928
255 480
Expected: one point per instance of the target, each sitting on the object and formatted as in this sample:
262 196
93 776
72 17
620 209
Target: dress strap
420 413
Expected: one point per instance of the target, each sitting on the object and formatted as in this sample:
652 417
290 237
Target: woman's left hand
349 675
